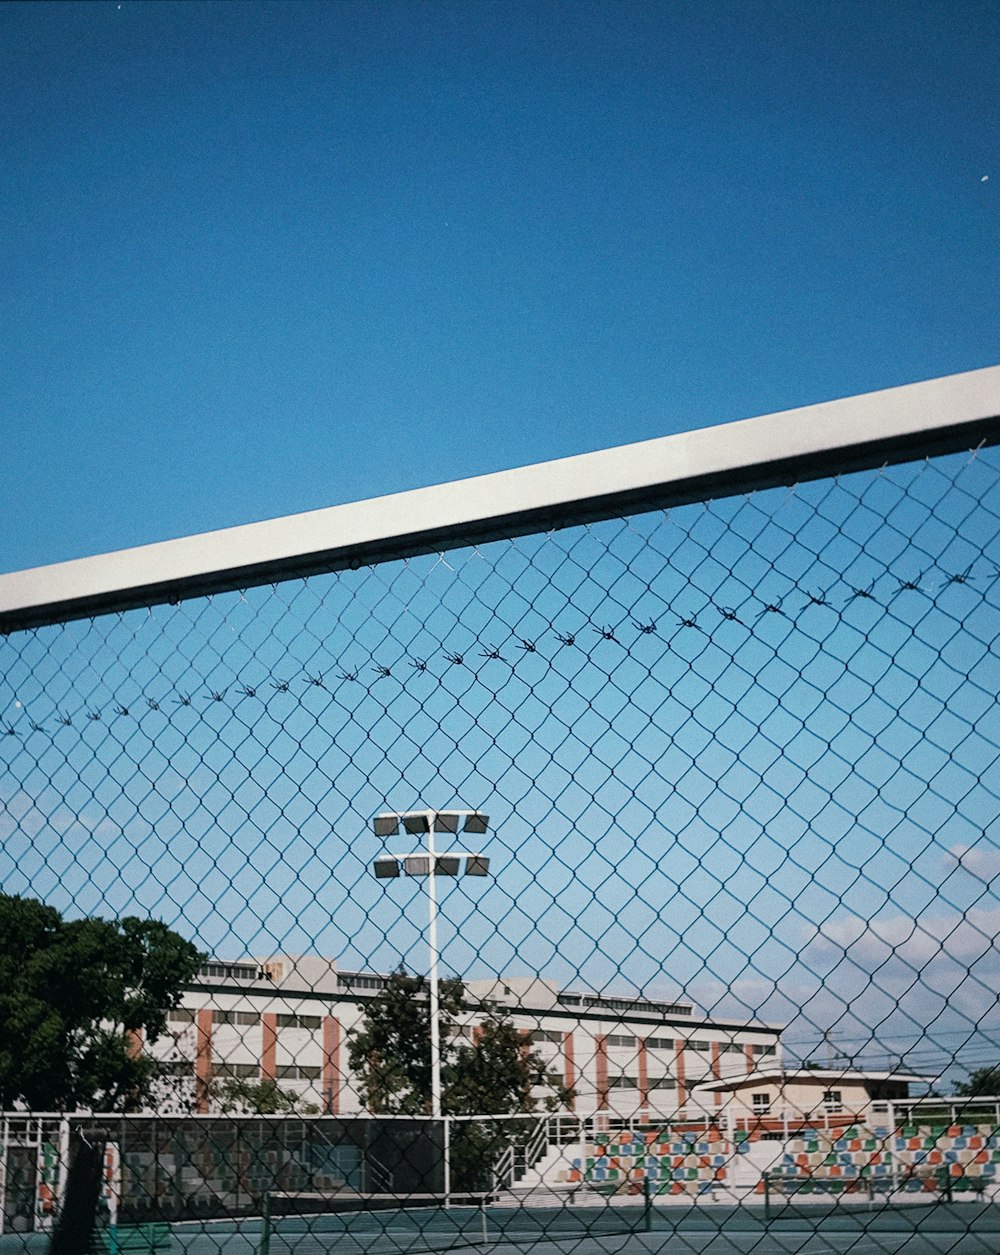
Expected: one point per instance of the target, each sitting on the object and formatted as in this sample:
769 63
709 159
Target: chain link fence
678 908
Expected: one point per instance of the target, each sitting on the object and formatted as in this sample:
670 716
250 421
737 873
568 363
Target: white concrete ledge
898 424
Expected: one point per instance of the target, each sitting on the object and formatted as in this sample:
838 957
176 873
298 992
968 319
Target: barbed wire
707 620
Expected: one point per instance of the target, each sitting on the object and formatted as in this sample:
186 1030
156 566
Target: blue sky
263 258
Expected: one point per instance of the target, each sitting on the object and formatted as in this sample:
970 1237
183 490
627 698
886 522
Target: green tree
496 1074
236 1096
73 996
390 1053
980 1082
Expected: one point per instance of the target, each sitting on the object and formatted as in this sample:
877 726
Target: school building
288 1019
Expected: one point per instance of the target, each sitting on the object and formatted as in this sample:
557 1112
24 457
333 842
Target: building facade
288 1019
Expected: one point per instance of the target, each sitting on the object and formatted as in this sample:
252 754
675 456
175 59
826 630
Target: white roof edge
815 1074
733 456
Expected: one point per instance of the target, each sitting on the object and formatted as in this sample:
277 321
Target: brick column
331 1066
269 1046
601 1069
643 1062
748 1054
569 1072
134 1047
679 1045
203 1060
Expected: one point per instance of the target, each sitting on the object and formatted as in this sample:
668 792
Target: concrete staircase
545 1183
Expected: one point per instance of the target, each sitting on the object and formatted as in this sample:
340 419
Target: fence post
767 1197
265 1225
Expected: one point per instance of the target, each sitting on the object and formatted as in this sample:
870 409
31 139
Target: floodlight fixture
431 863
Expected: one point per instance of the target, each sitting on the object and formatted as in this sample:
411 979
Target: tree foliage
980 1082
73 995
390 1053
237 1096
495 1074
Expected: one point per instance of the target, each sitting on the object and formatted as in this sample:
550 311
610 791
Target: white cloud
981 860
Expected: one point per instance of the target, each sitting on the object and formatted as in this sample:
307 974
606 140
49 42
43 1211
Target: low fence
191 1168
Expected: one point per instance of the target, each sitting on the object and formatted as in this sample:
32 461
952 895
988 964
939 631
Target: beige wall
797 1097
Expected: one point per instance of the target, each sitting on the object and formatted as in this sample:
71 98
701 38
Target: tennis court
964 1229
959 1229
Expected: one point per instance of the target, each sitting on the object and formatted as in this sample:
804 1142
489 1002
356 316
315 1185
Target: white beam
936 416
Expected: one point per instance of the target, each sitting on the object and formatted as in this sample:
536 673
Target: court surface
960 1229
968 1229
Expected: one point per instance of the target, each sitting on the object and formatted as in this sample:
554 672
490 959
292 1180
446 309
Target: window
833 1100
620 1039
353 980
296 1072
181 1015
630 1004
299 1021
697 1045
244 1071
662 1082
232 971
660 1043
237 1017
731 1048
765 1050
175 1067
761 1104
546 1034
623 1082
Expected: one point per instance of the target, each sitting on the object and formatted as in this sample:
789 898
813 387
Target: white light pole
431 863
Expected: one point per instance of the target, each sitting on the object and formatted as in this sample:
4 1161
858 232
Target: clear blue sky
262 258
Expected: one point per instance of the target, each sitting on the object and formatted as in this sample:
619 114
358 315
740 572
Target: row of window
184 1015
833 1102
236 1017
233 971
299 1021
624 1004
632 1082
354 980
241 1071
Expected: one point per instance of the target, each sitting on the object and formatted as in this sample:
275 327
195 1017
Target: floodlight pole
426 864
433 976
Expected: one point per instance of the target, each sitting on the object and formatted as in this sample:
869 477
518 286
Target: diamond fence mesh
681 909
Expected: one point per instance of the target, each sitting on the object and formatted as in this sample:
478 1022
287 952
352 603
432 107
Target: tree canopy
980 1082
495 1074
73 995
265 1097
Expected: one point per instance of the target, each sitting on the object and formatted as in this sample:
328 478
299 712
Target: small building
777 1103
